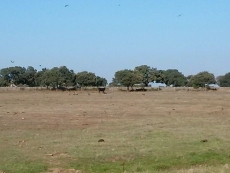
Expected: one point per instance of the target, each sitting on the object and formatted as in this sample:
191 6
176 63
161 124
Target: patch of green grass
23 167
177 159
14 161
210 157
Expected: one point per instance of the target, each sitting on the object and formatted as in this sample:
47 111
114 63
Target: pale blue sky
104 36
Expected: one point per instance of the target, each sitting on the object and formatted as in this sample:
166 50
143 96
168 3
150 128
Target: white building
156 85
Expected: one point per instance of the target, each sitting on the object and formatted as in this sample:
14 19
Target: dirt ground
39 110
34 122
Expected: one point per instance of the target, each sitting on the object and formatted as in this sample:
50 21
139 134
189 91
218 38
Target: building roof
154 84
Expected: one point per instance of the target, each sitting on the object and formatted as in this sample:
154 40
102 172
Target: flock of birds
120 5
13 62
67 6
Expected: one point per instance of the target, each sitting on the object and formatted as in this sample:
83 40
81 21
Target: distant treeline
55 77
143 75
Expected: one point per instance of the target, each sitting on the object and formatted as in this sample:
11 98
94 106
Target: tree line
172 77
144 74
55 77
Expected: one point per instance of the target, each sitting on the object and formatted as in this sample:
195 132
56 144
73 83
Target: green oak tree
85 79
174 77
202 78
224 81
13 75
149 74
100 81
127 78
146 73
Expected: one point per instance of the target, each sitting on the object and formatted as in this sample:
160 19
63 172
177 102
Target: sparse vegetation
155 132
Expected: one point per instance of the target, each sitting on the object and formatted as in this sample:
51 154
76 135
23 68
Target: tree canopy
57 76
13 74
141 75
86 78
127 78
202 78
146 73
224 81
174 77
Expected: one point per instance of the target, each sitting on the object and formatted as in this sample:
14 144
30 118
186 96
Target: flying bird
11 61
40 65
179 15
66 5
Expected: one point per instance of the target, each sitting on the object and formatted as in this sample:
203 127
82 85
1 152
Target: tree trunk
132 87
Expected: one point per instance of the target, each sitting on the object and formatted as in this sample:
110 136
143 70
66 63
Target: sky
104 36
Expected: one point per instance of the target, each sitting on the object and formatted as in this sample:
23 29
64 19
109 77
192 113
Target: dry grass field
158 131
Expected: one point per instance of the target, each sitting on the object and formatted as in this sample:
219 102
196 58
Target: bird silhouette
11 61
40 65
179 15
66 5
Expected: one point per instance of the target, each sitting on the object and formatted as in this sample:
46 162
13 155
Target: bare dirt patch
60 170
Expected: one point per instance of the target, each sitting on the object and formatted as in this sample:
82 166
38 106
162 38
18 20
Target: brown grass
59 129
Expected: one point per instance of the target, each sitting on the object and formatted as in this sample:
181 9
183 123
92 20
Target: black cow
101 89
62 88
72 89
141 89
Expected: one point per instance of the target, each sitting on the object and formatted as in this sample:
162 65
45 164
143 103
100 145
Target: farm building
156 85
212 86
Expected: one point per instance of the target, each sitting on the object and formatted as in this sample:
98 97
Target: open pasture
160 131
